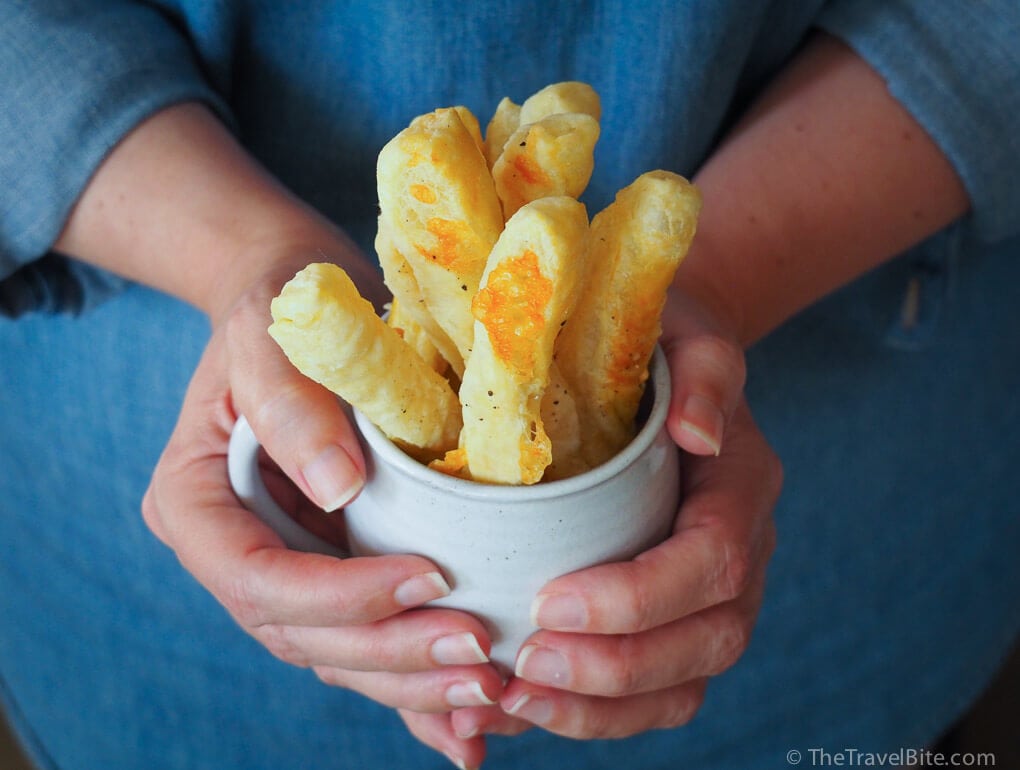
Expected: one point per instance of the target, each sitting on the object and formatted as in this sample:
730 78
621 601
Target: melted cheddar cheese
512 308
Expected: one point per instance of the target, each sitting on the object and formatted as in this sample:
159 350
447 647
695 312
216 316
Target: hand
629 647
353 620
181 206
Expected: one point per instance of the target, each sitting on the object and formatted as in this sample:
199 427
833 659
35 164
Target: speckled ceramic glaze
498 545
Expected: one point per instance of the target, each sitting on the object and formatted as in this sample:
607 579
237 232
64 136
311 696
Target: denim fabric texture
894 592
892 596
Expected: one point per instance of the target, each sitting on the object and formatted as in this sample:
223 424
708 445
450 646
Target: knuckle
329 675
248 312
239 596
279 640
380 654
721 355
639 608
729 643
681 706
151 517
592 722
624 675
275 418
235 319
736 566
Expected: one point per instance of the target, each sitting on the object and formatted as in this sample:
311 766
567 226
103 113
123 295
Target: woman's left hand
630 646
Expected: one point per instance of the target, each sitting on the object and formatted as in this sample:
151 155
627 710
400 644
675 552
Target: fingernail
702 421
561 612
421 589
458 649
457 761
464 694
333 478
543 666
466 734
533 708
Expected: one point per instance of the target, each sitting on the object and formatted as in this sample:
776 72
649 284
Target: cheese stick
472 125
563 427
413 334
553 156
333 336
529 288
408 300
504 122
637 243
441 213
567 96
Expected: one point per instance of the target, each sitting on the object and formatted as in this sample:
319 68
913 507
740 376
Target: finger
264 584
708 372
723 532
411 641
301 425
327 525
588 717
700 645
434 691
486 720
244 564
435 731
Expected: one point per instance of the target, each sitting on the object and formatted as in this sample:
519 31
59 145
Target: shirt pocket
929 282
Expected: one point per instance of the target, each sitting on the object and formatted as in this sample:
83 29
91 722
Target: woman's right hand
356 622
181 206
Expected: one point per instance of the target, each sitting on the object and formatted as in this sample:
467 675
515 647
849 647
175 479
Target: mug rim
386 451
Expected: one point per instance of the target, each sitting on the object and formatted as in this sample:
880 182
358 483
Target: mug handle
246 479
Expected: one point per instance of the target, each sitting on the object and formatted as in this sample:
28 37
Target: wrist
180 206
703 280
258 267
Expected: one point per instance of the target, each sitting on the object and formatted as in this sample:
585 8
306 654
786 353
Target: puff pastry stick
637 243
441 213
333 336
553 156
529 288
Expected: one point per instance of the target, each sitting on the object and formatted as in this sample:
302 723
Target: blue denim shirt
314 90
892 594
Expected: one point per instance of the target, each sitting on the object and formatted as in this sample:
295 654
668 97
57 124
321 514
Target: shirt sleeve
75 77
956 67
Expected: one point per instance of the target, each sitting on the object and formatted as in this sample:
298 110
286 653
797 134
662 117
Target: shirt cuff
76 78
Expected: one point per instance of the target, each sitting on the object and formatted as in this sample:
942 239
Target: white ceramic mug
496 545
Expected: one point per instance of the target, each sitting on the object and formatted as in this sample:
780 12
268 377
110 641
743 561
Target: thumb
303 427
708 373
